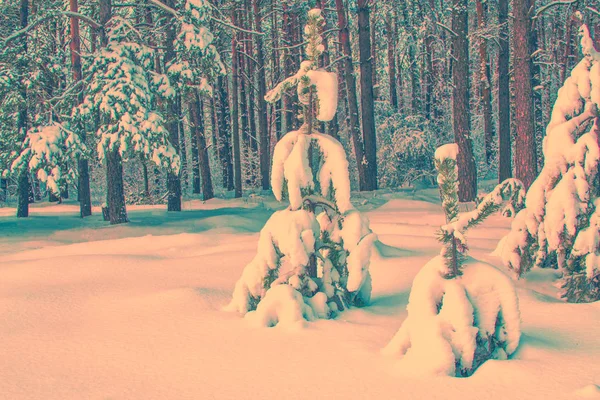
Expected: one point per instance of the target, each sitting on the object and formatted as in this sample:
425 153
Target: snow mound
282 306
454 325
589 392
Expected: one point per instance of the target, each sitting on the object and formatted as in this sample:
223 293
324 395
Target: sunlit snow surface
90 311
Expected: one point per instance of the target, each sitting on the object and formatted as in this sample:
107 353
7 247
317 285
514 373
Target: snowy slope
89 311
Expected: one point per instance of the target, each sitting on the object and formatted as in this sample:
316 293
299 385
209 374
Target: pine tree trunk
83 185
115 192
263 128
276 108
198 129
428 81
372 23
183 173
225 134
145 177
234 112
391 58
525 152
467 176
173 178
288 67
350 83
23 178
195 161
367 100
485 83
504 145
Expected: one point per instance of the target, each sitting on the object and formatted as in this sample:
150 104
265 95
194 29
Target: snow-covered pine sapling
313 257
509 193
559 228
461 311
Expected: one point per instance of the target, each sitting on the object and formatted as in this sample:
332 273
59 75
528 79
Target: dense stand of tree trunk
504 144
467 176
198 131
525 147
352 100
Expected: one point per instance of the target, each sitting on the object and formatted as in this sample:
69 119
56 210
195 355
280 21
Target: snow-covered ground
90 311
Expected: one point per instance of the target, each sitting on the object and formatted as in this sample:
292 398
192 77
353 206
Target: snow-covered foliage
558 227
123 90
461 312
197 62
47 152
454 325
313 257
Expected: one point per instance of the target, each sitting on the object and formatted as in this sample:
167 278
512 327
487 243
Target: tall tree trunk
173 178
225 134
115 195
237 162
367 100
467 175
263 128
197 123
23 178
350 80
276 108
288 66
504 147
145 177
391 58
83 186
195 161
485 83
373 22
183 173
525 152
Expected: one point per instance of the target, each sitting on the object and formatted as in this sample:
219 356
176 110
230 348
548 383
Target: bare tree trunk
525 152
23 178
367 100
276 108
195 162
234 111
373 22
485 83
467 176
350 80
504 147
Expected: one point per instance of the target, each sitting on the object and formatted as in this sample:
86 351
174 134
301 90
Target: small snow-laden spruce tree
461 312
559 228
313 257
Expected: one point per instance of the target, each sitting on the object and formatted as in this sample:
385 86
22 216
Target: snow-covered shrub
405 148
560 225
461 312
313 257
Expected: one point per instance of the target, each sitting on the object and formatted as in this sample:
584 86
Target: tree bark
23 178
525 152
504 147
195 161
391 58
263 128
467 176
197 123
367 100
485 83
83 186
224 122
234 111
172 124
352 100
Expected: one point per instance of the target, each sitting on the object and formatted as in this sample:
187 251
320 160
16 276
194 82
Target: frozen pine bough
559 228
313 257
461 312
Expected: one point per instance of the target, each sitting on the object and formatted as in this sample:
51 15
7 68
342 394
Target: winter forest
252 199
